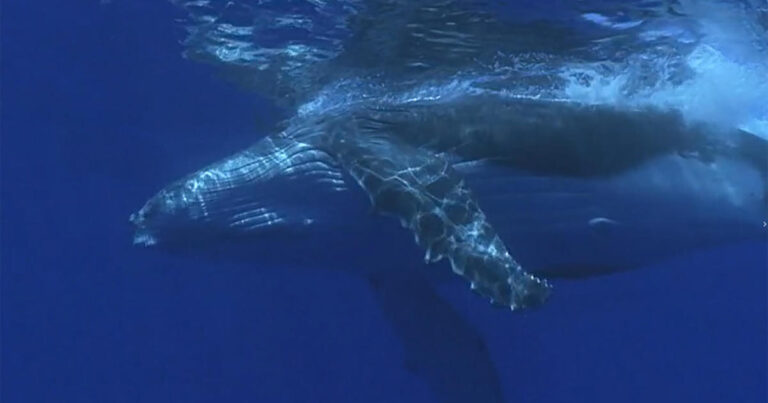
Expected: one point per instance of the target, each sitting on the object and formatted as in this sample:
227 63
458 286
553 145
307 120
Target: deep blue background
99 111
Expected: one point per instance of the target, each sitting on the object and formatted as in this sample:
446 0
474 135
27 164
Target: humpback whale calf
422 113
582 177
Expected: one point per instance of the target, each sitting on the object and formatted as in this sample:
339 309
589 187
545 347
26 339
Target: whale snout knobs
141 236
169 215
149 221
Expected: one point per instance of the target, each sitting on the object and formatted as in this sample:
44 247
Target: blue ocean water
99 111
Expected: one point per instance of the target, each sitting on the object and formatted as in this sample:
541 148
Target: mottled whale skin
572 189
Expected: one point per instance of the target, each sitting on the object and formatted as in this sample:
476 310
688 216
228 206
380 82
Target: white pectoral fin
432 200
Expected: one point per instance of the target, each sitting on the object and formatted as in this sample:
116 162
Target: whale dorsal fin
431 199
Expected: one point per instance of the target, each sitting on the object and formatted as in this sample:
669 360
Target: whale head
277 185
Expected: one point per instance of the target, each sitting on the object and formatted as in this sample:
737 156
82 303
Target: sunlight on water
706 58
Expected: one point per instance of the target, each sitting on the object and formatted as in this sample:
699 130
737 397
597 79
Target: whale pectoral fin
439 345
430 198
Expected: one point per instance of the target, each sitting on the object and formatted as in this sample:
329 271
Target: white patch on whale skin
601 221
602 226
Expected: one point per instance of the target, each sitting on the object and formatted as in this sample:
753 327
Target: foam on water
728 71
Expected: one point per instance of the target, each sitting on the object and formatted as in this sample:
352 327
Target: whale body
574 190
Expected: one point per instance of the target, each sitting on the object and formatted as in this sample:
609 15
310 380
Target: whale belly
564 226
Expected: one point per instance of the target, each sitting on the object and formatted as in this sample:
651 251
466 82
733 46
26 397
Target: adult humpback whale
455 124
